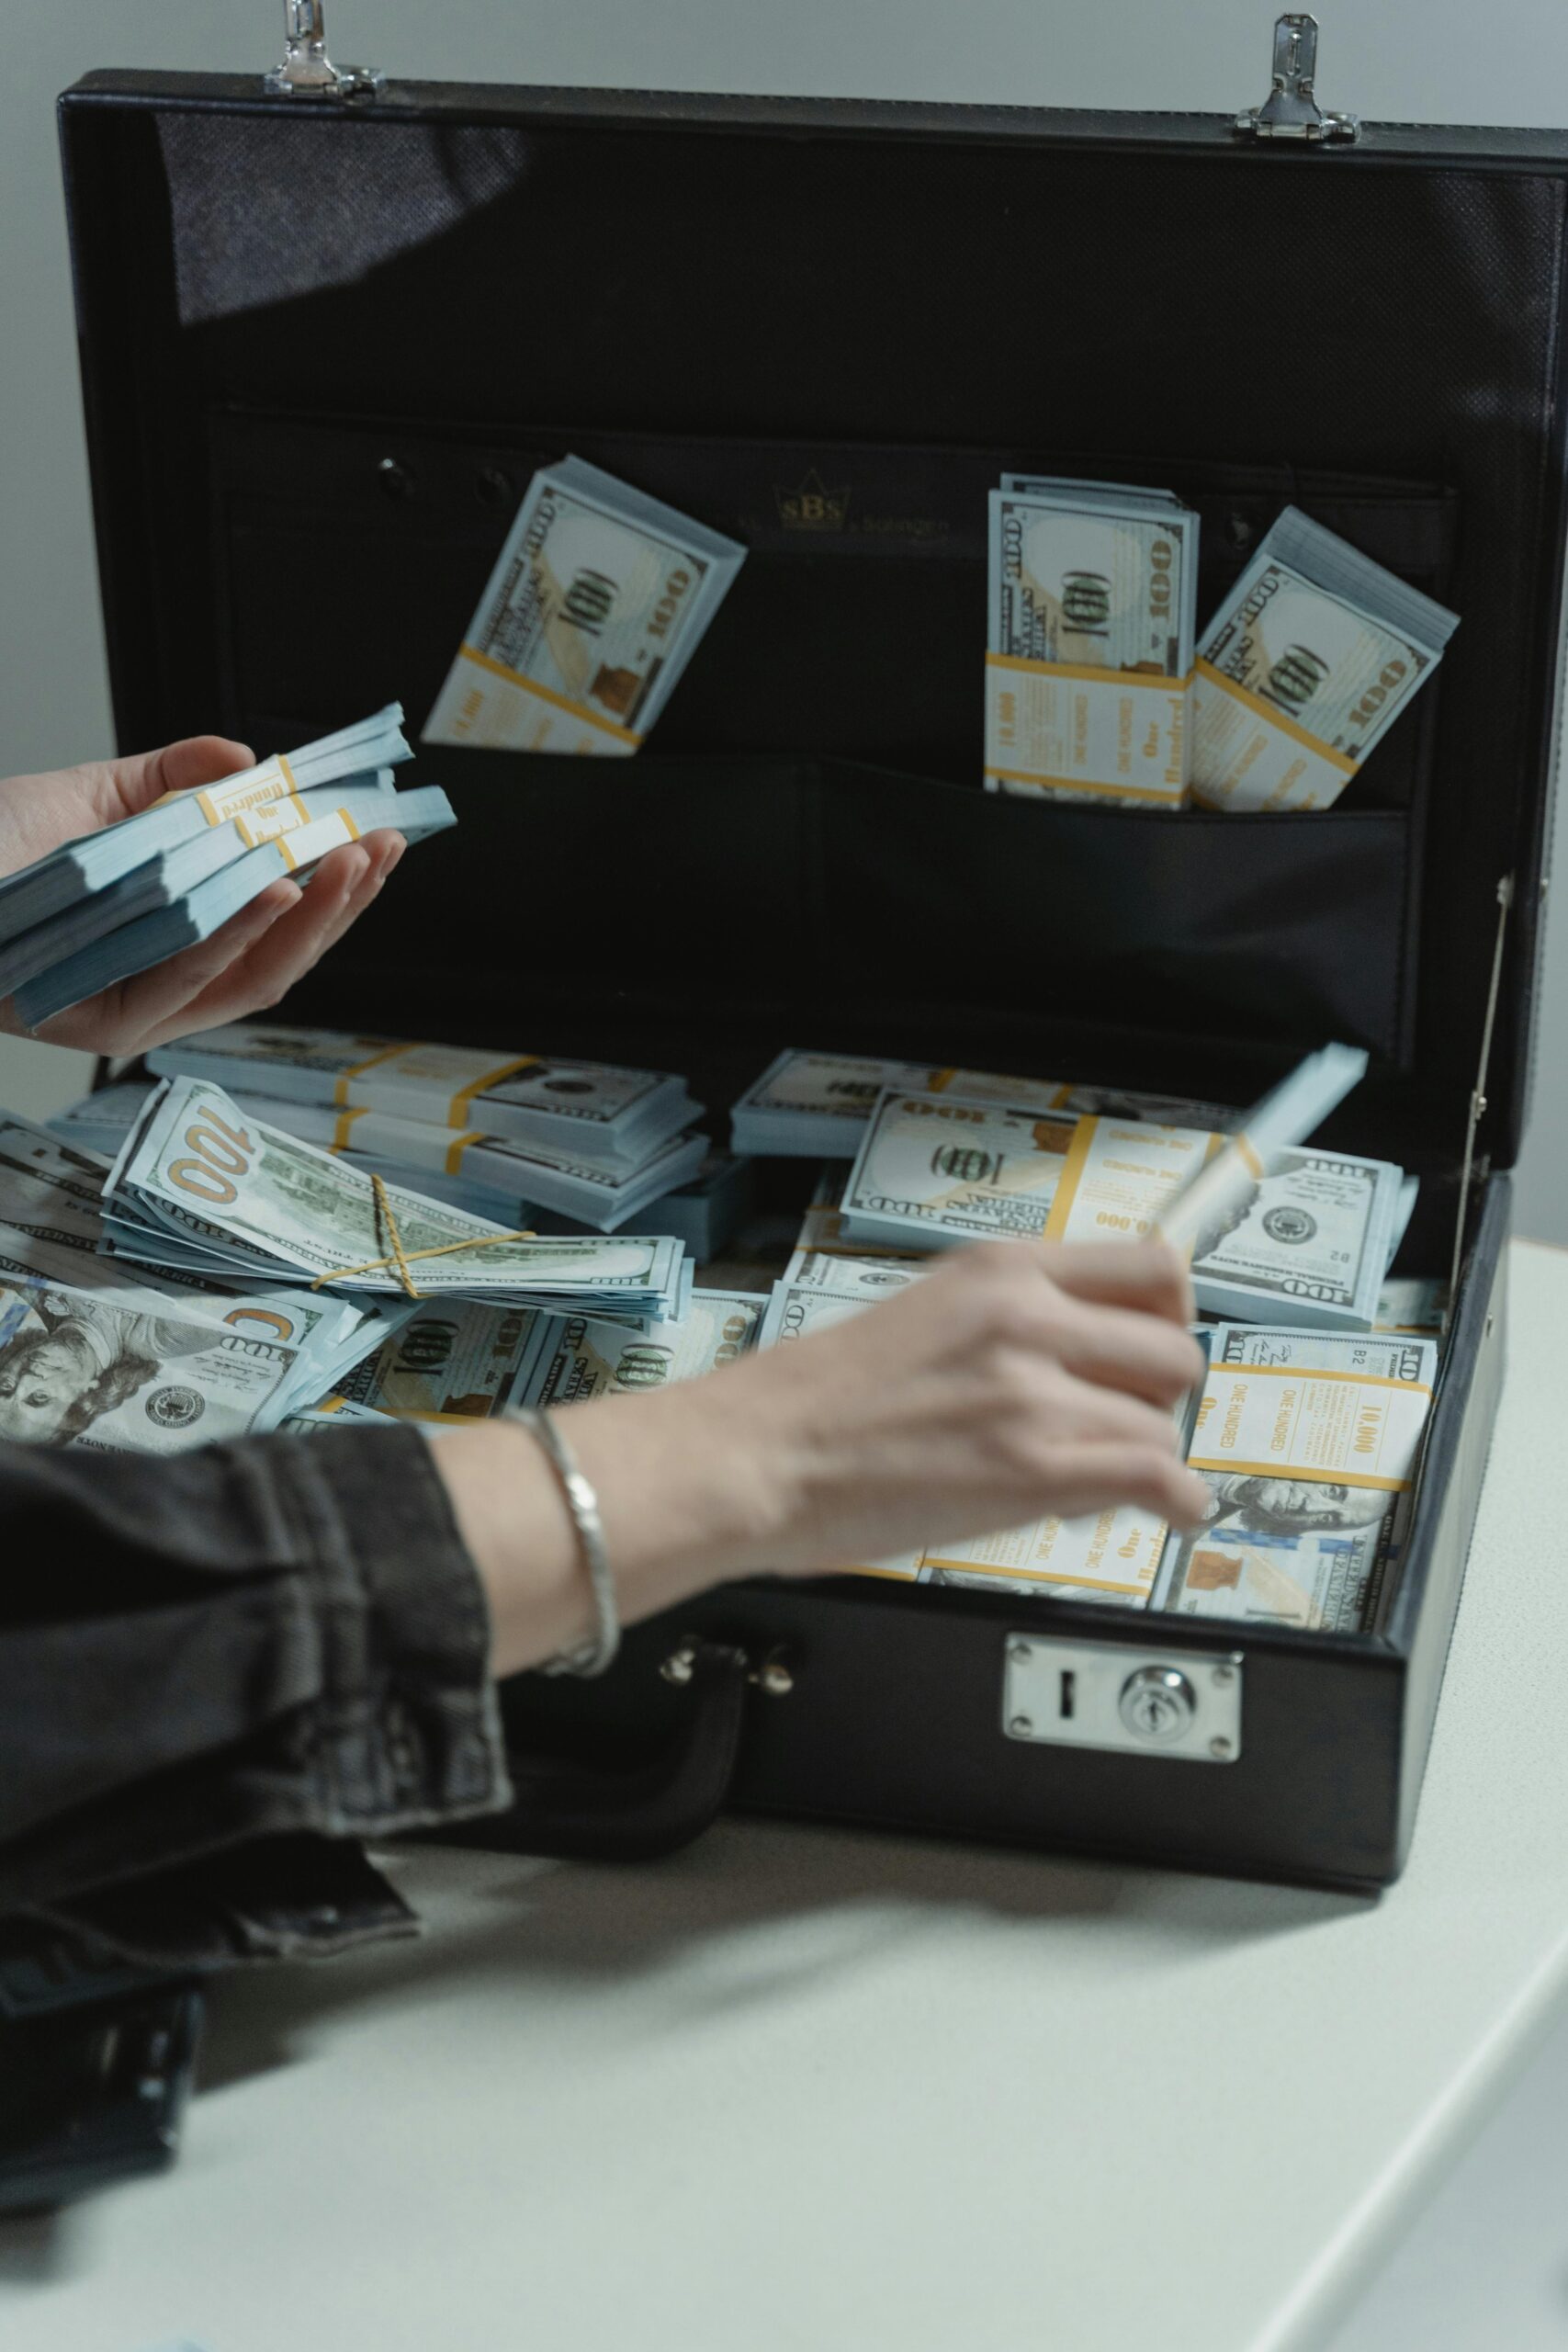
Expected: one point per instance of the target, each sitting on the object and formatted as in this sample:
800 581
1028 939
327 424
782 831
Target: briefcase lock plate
1116 1695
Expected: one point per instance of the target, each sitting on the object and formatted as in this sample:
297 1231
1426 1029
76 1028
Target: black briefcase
326 339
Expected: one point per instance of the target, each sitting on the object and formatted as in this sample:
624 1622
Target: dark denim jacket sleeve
219 1673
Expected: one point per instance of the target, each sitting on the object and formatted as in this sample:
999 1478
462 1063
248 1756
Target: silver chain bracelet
591 1657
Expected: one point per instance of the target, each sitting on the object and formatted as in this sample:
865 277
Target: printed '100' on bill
935 1171
1077 586
592 612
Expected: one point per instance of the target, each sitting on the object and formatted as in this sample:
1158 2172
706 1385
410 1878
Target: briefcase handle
633 1813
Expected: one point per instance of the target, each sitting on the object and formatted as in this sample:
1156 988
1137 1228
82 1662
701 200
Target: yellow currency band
340 1133
457 1146
1306 1477
1272 717
386 1054
1071 1177
260 793
1297 1371
457 1109
547 694
285 853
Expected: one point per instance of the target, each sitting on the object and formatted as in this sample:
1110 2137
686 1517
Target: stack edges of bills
597 602
495 1132
1089 639
116 902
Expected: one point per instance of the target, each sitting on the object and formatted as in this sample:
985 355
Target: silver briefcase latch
1291 110
307 72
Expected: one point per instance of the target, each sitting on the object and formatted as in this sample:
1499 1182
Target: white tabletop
800 2089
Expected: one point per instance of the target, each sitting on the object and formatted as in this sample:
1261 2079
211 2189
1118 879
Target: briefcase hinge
1291 110
307 72
1475 1167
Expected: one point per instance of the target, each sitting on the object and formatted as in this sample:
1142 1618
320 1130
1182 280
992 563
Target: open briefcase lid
324 347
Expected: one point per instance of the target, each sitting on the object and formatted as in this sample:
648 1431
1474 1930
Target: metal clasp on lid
1291 110
307 71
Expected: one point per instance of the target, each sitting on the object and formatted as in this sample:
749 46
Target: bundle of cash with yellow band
1306 664
196 1182
199 904
1093 591
611 1117
1272 1229
701 1210
265 802
597 602
116 902
813 1104
548 1175
1309 1445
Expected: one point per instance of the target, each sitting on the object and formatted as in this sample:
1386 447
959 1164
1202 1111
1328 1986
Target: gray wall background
1435 61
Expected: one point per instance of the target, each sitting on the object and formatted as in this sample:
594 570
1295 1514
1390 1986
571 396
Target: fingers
1120 1349
1103 1477
1148 1276
1092 1415
143 1010
345 884
145 777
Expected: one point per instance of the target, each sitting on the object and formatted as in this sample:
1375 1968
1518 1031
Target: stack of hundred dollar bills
1304 667
942 1156
1308 1443
495 1132
199 1181
1306 1526
1090 641
113 903
597 602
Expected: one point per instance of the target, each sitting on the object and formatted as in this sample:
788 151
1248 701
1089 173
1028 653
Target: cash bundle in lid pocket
1089 642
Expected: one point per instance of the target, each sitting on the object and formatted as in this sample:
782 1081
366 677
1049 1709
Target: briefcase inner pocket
1271 929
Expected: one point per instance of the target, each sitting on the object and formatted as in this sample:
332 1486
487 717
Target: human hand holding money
249 963
1003 1385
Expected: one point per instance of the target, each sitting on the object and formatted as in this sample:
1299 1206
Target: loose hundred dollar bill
1303 669
1308 1443
594 608
585 1358
932 1172
77 1369
198 1181
1092 602
452 1361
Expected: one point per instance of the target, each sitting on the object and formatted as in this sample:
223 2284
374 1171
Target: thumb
145 777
